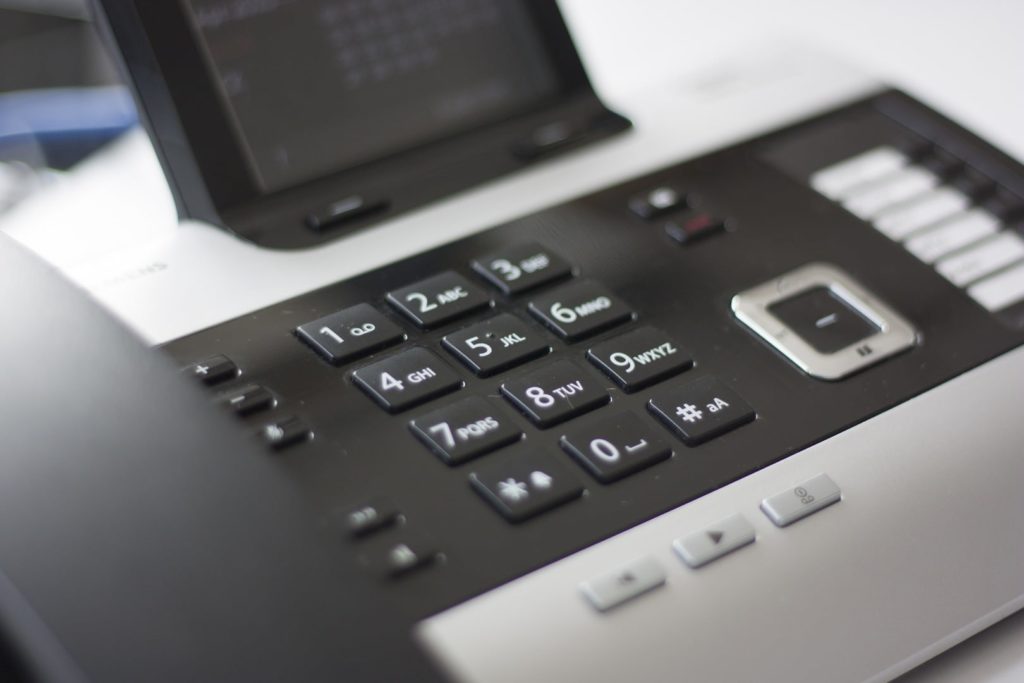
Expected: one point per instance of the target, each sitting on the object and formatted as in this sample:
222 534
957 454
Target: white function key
625 583
982 259
952 234
803 499
868 200
1000 291
714 541
901 220
837 180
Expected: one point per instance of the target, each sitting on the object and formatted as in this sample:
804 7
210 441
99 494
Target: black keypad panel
439 299
580 309
350 334
700 410
369 517
640 358
213 370
465 429
823 320
522 267
406 379
496 344
525 486
657 202
250 399
692 228
615 446
285 432
555 393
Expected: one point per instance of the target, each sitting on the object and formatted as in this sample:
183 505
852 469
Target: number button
616 446
640 358
438 299
406 379
522 267
497 344
350 333
555 393
467 428
700 410
580 309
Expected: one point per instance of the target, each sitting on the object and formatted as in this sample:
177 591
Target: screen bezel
207 161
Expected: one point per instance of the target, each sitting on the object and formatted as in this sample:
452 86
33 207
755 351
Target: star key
525 485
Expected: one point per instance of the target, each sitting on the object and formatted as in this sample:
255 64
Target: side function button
250 399
496 344
412 552
285 432
522 267
438 299
580 309
692 228
639 358
713 542
406 379
700 410
350 333
371 516
804 499
213 370
525 486
555 393
657 202
616 446
625 583
465 429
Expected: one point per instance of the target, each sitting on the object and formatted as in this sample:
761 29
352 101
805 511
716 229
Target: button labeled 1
615 446
406 379
350 333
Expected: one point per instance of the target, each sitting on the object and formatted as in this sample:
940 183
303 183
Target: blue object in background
62 126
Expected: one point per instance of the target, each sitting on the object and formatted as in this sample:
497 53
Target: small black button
213 370
823 319
412 552
438 299
465 429
640 358
657 202
580 309
371 516
345 210
700 410
285 432
943 164
615 446
525 486
974 184
350 333
547 139
406 379
1004 205
692 228
555 393
522 267
496 344
249 399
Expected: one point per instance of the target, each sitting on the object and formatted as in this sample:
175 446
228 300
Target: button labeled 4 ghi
406 379
701 410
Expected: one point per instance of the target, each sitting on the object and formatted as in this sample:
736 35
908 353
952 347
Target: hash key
700 410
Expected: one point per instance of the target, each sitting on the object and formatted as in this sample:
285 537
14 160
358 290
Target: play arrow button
715 536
